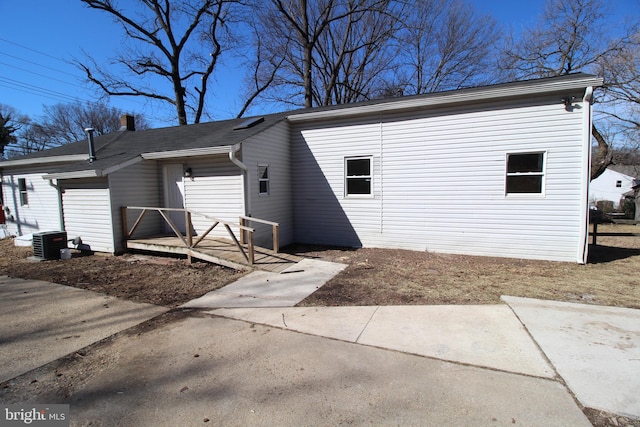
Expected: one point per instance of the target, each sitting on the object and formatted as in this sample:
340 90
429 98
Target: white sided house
612 185
499 170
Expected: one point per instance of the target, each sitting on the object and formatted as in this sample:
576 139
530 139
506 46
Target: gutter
60 211
232 156
464 96
587 125
41 160
245 177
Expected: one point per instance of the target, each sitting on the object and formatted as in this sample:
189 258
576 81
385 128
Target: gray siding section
87 212
439 181
137 185
40 214
272 148
215 189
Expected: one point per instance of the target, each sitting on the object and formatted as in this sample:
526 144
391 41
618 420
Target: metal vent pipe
92 150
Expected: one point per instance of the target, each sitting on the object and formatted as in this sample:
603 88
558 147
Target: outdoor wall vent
249 123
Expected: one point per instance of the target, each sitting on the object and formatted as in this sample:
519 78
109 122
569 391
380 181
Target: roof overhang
471 95
44 160
92 173
204 151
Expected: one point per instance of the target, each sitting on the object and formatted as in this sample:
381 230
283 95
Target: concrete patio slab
41 322
267 289
487 336
225 372
595 349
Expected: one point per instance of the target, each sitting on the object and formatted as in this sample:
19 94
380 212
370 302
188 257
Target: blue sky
39 37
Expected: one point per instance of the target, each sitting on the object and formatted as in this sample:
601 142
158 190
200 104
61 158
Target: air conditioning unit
47 245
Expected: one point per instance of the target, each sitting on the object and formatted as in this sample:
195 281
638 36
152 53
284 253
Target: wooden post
242 237
251 256
595 233
187 221
276 244
125 228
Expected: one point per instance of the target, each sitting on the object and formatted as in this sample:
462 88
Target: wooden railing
245 220
187 240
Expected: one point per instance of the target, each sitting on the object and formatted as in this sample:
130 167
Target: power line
38 74
33 50
36 90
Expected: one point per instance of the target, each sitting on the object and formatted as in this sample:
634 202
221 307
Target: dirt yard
373 276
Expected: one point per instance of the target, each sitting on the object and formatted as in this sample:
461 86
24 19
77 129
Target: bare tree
65 123
320 51
352 58
10 124
621 74
174 44
569 38
445 45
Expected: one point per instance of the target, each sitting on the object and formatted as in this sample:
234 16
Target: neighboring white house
498 170
614 182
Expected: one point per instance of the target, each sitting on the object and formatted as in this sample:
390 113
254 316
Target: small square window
619 184
358 176
22 188
525 173
263 179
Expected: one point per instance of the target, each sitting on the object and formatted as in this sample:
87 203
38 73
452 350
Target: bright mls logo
34 415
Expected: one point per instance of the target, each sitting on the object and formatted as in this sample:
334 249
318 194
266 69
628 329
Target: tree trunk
603 157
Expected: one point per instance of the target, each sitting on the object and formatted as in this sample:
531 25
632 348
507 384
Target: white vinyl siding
271 147
215 189
136 185
322 213
41 213
87 212
439 181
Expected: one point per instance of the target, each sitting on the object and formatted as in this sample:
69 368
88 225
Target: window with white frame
358 173
22 188
525 173
263 179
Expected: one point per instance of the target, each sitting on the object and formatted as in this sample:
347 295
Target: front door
172 175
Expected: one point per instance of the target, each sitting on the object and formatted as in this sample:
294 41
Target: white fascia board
223 149
44 160
91 173
454 97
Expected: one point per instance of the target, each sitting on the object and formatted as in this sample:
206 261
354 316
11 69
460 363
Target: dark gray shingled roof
118 147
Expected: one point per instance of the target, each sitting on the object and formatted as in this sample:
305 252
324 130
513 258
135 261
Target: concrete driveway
41 322
405 365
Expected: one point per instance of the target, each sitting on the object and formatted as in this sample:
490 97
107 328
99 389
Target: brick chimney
127 122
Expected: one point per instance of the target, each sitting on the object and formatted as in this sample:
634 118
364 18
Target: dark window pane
525 163
264 187
359 186
263 172
524 184
359 167
22 184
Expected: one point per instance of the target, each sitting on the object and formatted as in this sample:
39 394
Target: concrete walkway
267 289
283 365
595 349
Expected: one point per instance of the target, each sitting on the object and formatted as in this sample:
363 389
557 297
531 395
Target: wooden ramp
218 251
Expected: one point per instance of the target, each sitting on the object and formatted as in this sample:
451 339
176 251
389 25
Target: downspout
245 180
60 211
587 119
